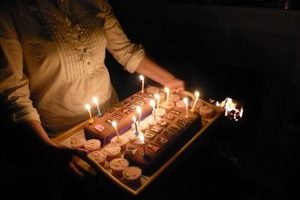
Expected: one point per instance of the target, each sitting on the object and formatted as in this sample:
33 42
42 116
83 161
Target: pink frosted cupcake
121 141
111 151
77 142
117 166
92 145
132 175
98 156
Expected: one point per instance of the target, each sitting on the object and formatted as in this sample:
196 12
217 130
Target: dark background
248 50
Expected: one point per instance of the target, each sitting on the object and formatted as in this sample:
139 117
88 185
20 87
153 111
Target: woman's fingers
176 84
75 169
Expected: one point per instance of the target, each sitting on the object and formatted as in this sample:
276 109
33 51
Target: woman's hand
175 84
61 155
66 157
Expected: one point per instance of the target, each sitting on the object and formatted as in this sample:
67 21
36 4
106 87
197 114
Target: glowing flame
152 103
142 78
156 96
186 101
134 118
95 100
141 137
87 107
114 124
167 90
139 110
233 110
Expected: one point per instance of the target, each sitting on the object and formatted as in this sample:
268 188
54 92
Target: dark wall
251 54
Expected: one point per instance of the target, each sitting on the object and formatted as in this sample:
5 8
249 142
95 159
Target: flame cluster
233 110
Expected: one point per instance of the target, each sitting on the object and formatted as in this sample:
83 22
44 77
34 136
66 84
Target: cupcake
132 175
111 151
174 97
121 141
180 104
92 145
117 166
77 142
168 106
160 112
98 156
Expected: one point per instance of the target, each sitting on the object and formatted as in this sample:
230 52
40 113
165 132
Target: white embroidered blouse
52 59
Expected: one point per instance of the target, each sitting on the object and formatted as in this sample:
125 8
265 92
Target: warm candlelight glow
157 97
167 90
115 125
142 78
141 137
186 102
233 109
134 118
96 102
241 112
139 111
152 103
197 94
88 108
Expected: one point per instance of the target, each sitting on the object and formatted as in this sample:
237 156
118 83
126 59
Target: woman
52 61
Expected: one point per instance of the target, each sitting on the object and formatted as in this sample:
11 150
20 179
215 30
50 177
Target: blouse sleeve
124 51
14 87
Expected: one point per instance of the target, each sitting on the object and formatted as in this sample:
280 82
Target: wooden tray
93 167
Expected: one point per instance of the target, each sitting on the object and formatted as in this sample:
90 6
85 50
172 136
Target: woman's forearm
153 71
37 133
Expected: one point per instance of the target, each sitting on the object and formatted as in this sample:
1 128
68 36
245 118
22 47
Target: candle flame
142 78
114 124
141 137
167 90
87 106
134 118
233 110
139 109
241 112
95 100
152 103
197 93
186 101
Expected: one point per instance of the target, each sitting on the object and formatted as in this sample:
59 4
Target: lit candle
186 102
157 97
152 103
142 78
135 124
197 94
142 140
115 125
139 111
96 102
88 108
167 90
